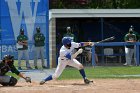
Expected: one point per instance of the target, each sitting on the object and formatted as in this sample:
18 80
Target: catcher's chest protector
4 68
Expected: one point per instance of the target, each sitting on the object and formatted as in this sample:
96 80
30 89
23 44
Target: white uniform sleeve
76 45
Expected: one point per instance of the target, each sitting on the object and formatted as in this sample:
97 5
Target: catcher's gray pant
39 51
20 54
129 54
8 80
5 79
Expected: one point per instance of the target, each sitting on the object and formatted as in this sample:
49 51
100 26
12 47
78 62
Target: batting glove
91 43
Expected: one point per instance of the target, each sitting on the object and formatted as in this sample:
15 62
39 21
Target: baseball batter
67 58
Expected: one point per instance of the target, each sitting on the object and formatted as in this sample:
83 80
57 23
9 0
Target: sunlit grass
103 72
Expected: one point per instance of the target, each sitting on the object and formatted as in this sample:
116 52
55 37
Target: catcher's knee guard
13 81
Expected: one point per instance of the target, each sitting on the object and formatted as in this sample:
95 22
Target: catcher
7 64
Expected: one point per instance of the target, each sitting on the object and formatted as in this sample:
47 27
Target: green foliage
102 72
96 4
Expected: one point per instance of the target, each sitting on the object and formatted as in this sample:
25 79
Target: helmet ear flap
69 45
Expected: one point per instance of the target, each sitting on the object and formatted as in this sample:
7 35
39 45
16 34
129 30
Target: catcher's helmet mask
8 57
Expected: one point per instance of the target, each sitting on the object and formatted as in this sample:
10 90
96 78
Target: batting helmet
66 40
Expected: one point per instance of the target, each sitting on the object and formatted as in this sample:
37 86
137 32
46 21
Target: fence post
93 56
137 54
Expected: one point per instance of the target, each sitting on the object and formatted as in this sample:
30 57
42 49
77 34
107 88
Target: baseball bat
104 40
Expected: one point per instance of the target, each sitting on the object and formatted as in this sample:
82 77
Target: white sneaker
125 64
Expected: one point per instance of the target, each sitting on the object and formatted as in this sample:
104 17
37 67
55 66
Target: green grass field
99 72
103 72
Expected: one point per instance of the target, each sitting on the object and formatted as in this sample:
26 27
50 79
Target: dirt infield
77 86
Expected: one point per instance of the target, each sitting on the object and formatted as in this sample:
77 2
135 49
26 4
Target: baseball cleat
87 81
42 82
